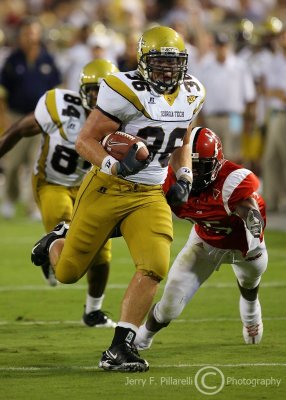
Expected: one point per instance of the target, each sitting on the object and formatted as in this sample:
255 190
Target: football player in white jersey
228 219
59 170
157 102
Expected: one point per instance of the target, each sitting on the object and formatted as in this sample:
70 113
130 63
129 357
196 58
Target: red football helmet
207 157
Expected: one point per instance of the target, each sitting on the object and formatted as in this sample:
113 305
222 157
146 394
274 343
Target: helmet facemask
88 93
204 172
164 71
162 58
207 157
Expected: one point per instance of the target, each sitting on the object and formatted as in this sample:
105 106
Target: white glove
254 222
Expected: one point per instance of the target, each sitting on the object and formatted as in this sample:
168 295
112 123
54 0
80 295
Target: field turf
46 354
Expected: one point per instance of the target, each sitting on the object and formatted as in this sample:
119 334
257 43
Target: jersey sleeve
60 110
198 95
114 104
241 184
42 115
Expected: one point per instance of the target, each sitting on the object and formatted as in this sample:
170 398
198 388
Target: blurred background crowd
237 49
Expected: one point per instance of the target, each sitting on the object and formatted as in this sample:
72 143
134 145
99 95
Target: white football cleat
252 334
251 317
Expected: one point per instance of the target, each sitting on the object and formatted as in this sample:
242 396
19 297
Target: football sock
93 303
250 311
145 333
153 323
124 332
248 294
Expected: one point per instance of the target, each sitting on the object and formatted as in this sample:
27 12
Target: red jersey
212 209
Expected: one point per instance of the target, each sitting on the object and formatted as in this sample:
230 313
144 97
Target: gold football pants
56 204
103 201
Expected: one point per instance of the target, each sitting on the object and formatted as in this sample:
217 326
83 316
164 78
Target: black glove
129 165
179 192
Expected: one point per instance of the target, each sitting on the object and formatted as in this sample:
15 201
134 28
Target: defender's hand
130 165
254 223
179 192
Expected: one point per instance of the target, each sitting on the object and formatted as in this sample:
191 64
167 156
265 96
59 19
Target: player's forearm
181 158
181 163
24 127
7 143
244 206
88 141
249 211
90 149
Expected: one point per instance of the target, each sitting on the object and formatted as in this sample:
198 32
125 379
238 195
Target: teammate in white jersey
157 102
59 170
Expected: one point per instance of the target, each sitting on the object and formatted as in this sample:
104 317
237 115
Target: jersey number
156 135
212 226
65 160
71 111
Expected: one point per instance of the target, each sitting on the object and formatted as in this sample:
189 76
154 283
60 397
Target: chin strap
254 222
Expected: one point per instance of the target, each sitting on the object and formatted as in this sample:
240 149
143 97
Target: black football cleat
123 358
97 319
40 251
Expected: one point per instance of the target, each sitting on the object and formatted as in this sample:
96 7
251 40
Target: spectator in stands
230 95
28 72
274 160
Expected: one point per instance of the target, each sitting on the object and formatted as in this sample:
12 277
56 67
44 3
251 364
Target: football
117 144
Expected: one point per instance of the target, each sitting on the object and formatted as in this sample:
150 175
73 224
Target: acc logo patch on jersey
191 98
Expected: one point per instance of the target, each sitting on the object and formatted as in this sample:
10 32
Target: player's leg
148 234
14 166
248 274
97 276
190 269
93 221
55 203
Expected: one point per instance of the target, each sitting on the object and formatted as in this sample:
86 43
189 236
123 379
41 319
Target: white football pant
193 266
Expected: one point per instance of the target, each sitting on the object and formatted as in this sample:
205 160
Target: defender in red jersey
228 217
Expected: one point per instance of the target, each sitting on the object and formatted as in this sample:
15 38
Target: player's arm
24 127
181 162
97 126
248 210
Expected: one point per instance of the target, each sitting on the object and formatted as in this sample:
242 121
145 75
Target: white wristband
185 172
107 164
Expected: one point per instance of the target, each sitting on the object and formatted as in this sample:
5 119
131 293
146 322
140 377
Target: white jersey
60 115
162 120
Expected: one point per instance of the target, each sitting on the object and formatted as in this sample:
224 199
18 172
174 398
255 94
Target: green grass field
45 353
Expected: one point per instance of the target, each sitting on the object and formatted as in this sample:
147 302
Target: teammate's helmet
90 79
162 58
272 25
207 157
245 29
